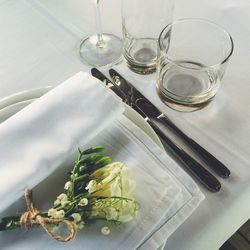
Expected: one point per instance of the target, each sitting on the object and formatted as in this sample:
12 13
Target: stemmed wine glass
101 49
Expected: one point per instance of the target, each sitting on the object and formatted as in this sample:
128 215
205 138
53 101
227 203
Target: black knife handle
212 162
198 171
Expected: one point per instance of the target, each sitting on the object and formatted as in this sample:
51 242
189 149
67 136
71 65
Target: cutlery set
153 116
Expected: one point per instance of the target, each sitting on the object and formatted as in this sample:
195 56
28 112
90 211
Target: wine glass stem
100 42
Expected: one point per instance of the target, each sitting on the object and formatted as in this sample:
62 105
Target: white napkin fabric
38 148
165 202
35 141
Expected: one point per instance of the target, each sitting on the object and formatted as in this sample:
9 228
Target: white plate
14 103
23 96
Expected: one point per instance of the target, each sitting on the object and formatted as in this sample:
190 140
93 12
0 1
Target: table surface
39 41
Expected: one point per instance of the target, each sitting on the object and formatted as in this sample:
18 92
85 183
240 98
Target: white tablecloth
38 47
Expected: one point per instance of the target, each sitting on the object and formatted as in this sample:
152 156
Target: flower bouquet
98 189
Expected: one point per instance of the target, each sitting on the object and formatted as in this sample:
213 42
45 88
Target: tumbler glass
192 57
142 22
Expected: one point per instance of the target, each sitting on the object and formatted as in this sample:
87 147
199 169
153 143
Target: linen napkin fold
35 141
156 192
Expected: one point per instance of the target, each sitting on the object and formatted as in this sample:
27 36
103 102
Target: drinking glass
142 22
101 49
192 58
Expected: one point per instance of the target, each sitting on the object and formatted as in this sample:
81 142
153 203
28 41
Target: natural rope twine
32 217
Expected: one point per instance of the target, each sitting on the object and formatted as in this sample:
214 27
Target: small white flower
77 217
62 197
105 230
52 212
80 225
59 214
83 202
68 185
92 186
74 176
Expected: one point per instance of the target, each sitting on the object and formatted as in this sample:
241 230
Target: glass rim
184 20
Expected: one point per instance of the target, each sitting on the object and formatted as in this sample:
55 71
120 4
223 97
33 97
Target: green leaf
92 150
82 178
90 159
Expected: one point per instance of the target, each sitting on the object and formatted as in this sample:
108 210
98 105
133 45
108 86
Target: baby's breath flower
105 230
59 214
83 202
52 212
92 186
74 175
62 197
68 185
77 217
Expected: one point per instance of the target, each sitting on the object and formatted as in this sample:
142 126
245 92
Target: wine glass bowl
105 53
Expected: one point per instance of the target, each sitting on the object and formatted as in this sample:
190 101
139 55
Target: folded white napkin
35 141
155 191
163 205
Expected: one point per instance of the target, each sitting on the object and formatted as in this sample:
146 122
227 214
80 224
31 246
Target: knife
205 178
99 75
153 112
197 170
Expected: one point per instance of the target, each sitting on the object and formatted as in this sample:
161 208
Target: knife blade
153 112
204 178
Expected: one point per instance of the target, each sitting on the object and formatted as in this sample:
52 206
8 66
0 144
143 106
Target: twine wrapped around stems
32 217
